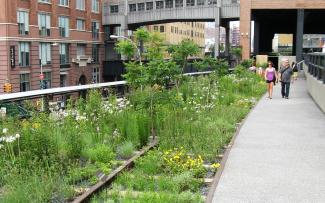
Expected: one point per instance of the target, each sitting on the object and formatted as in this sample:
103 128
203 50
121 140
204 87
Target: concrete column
245 27
227 43
184 3
217 38
299 34
256 37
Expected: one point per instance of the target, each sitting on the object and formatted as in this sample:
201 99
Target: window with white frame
23 22
149 6
95 75
64 2
114 8
45 53
64 53
44 24
95 30
24 82
178 3
81 50
80 5
64 26
132 7
169 4
140 6
24 54
81 24
95 6
159 4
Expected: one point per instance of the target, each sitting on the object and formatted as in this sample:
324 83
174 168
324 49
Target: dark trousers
285 87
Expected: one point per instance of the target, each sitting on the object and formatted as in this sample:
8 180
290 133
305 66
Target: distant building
235 36
174 33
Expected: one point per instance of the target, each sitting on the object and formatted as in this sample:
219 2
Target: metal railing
316 65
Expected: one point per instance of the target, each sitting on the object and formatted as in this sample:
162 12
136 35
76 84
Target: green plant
125 150
99 153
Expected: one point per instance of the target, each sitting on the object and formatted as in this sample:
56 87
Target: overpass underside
285 21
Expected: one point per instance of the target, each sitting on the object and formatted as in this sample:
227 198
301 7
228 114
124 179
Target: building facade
174 33
50 43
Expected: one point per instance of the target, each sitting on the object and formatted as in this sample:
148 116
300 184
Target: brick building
64 38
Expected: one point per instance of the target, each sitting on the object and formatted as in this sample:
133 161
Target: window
24 54
45 53
80 24
169 3
159 4
44 1
95 53
140 6
200 2
95 6
47 80
149 6
234 1
155 28
96 75
63 80
172 29
64 26
64 54
23 22
133 7
95 30
80 5
64 2
162 28
44 24
212 2
178 3
24 82
81 49
114 9
190 2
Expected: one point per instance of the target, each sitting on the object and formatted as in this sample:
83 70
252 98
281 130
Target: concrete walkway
279 154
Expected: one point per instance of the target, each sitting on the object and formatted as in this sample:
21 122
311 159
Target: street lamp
122 37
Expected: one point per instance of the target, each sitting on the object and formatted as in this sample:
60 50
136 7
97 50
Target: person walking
270 78
285 77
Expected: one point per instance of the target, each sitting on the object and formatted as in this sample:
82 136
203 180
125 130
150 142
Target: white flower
2 139
4 131
1 146
10 139
17 136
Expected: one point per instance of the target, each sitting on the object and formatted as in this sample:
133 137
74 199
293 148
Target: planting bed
58 157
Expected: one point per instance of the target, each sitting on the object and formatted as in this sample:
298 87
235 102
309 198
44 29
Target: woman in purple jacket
270 78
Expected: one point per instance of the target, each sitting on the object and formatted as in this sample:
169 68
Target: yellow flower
215 165
36 125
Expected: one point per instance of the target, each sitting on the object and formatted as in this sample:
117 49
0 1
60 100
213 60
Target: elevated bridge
134 13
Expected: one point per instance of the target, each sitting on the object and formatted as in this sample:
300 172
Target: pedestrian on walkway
270 78
295 71
285 77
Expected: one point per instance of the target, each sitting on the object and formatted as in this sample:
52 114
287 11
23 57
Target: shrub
125 150
100 153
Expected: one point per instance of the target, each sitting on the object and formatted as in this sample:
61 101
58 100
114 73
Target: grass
54 155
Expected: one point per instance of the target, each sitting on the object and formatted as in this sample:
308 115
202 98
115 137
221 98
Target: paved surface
279 154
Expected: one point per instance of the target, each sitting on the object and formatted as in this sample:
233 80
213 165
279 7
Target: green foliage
182 51
126 48
125 150
141 35
247 63
134 74
155 47
100 153
237 51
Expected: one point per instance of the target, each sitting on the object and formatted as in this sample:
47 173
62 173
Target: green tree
125 48
182 51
